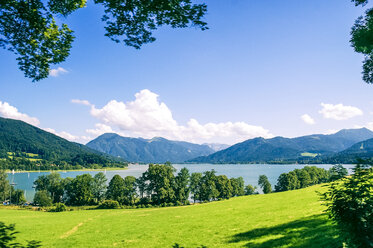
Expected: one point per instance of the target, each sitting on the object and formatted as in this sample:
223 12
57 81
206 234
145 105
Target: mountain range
279 149
155 150
18 137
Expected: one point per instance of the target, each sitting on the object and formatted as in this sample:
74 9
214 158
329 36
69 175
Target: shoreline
32 171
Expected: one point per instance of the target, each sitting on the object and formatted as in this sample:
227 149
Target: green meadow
287 219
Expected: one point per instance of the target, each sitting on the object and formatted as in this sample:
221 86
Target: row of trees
157 186
302 178
76 163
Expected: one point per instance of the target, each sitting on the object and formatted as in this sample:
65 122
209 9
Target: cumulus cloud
8 111
147 117
82 102
57 72
307 119
339 111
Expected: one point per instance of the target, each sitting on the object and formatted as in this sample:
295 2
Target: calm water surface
249 172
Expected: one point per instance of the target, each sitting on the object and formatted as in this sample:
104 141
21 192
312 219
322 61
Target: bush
109 204
60 207
350 204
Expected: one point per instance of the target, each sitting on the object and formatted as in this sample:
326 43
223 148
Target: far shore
85 169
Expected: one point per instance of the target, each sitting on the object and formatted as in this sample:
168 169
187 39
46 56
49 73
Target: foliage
161 180
115 189
250 190
7 237
29 29
301 178
18 197
79 190
129 190
337 172
99 186
4 186
265 184
182 185
59 207
42 199
109 204
195 180
208 190
350 204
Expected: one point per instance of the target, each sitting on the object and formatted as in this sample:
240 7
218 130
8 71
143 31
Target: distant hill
19 139
363 150
280 149
156 150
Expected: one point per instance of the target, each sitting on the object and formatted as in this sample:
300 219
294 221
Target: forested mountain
279 149
363 150
156 150
19 140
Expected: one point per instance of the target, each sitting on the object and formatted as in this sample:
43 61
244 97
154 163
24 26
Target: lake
249 172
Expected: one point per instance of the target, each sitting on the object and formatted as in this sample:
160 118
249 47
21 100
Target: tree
129 191
42 198
350 203
161 183
250 190
303 178
337 172
208 190
53 183
28 27
141 185
264 184
361 40
99 186
195 185
223 187
79 190
18 197
4 186
7 237
115 189
181 186
238 186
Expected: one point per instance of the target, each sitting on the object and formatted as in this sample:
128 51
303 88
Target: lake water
249 172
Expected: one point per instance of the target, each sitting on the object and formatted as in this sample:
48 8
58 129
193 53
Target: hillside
156 150
363 150
287 219
281 149
19 140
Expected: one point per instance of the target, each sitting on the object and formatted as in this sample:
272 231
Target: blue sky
260 67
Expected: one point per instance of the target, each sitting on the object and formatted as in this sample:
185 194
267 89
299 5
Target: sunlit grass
288 219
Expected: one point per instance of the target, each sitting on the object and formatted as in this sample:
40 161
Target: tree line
157 186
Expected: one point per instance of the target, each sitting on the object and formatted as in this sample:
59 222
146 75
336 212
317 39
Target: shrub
60 207
109 204
350 204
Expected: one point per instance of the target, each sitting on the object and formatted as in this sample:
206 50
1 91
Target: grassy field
288 219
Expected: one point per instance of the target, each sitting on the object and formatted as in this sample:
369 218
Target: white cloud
100 129
82 102
57 72
339 111
147 117
68 136
8 111
307 119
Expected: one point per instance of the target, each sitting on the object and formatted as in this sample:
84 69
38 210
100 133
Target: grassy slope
288 219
